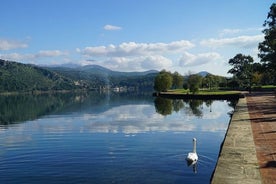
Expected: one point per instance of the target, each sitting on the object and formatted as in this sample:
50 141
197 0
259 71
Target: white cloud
132 56
138 63
240 41
247 31
50 53
31 57
229 32
155 62
112 27
16 57
137 49
125 119
189 59
11 44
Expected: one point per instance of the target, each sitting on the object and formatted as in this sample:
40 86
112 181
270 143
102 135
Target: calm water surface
108 138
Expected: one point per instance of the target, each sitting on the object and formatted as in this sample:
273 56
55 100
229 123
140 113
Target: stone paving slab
248 154
262 110
237 161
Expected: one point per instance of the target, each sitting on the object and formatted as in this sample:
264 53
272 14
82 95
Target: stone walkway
248 154
262 111
237 163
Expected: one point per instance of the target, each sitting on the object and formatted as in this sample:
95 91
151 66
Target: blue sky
132 35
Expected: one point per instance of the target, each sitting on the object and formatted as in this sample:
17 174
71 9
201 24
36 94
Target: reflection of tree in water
166 106
163 106
232 103
177 105
196 107
208 103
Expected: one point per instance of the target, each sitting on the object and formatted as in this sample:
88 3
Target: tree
242 69
256 78
210 81
163 81
177 80
194 82
267 48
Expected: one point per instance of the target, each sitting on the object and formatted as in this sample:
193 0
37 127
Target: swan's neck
194 149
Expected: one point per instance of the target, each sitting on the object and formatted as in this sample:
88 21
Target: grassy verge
204 92
266 87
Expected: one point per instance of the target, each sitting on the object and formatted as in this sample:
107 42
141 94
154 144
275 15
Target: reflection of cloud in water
214 111
131 119
215 127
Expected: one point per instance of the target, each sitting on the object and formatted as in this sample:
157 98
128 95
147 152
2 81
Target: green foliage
267 48
163 81
96 77
177 80
166 80
26 78
213 81
242 69
194 83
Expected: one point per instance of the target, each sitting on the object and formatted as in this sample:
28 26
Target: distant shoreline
37 92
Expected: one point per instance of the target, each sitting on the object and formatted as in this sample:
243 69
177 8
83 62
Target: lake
108 138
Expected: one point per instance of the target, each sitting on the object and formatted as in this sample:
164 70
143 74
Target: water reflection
106 138
115 113
165 106
26 107
20 108
193 165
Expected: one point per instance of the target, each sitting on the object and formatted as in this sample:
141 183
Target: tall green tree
194 83
267 48
177 80
163 81
242 69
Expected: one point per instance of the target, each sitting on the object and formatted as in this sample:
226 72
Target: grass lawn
268 87
204 92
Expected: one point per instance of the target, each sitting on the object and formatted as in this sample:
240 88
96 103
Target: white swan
192 156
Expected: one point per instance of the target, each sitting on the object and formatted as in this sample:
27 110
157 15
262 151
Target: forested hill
20 77
26 78
95 77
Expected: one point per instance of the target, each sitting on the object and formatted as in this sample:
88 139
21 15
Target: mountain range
98 70
16 76
19 77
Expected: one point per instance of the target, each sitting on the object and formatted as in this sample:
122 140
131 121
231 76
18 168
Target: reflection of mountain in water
20 108
115 112
27 107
